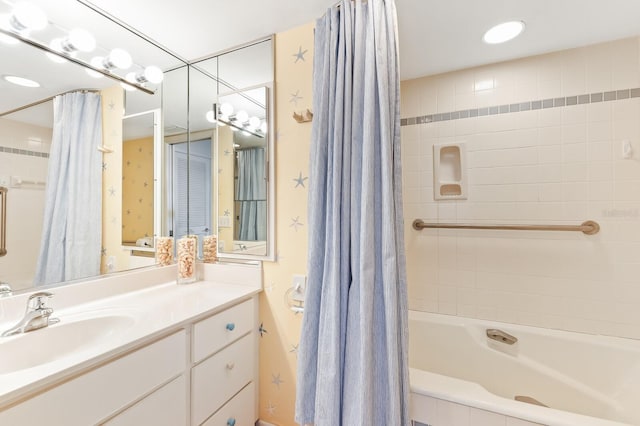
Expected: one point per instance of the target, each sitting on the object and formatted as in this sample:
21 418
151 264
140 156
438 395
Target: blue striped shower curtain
352 361
72 228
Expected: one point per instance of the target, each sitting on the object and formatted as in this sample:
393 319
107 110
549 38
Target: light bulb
254 123
263 127
242 116
209 117
27 16
96 62
118 58
153 74
4 24
56 44
226 109
78 39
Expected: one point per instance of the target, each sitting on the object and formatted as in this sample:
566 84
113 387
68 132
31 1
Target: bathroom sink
73 334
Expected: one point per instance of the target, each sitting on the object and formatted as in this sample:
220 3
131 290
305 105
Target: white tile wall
26 205
554 166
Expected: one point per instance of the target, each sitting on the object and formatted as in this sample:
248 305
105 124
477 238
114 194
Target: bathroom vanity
137 349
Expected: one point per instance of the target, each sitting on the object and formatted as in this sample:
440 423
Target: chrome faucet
501 336
37 315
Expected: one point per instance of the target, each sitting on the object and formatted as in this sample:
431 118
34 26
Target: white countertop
151 312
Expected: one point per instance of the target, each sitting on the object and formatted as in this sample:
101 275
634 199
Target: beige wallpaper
112 113
225 187
137 189
280 326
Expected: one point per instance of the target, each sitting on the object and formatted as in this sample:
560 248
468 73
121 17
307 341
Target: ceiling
435 35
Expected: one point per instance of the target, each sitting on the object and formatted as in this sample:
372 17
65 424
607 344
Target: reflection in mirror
242 172
141 192
27 127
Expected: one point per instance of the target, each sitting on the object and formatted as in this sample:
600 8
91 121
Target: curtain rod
50 98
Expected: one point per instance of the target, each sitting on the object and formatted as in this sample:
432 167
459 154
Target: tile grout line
566 101
26 152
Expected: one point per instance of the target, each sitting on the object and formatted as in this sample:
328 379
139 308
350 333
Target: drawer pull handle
230 366
231 422
230 326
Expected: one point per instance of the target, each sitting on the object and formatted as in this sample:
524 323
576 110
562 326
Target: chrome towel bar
589 227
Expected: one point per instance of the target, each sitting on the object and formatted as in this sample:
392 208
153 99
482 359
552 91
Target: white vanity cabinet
91 397
225 367
201 372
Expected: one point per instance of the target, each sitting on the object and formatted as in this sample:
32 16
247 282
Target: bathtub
585 380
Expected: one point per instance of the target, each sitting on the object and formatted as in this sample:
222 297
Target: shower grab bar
589 227
3 221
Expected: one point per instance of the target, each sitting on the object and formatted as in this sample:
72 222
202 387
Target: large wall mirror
157 151
131 129
231 134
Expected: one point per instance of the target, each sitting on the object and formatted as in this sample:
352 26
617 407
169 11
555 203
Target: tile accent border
10 150
524 106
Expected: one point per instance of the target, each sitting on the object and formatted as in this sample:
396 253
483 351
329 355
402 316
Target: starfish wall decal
300 55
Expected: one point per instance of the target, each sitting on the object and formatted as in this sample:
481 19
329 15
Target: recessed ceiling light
20 81
503 32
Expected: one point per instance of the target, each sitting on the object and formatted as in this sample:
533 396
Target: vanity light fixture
254 123
150 74
503 32
209 117
263 127
56 44
226 109
78 39
21 81
242 117
26 17
96 62
117 58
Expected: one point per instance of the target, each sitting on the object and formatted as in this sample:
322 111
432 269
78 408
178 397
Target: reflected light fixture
503 32
56 44
242 116
78 39
118 58
27 16
263 127
96 62
254 123
150 74
226 109
21 81
209 117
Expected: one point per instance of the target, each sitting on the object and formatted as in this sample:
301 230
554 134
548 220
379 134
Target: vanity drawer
218 378
98 394
240 411
216 332
165 407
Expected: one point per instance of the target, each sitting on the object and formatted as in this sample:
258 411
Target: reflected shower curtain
251 195
352 360
72 227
